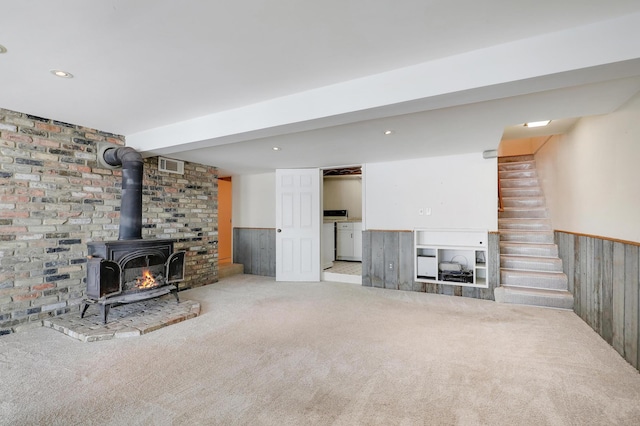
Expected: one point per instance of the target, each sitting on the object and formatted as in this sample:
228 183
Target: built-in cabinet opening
456 257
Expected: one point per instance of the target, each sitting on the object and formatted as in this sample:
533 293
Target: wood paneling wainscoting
604 276
255 248
381 248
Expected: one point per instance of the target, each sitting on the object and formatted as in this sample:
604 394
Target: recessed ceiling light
388 132
537 123
3 49
62 74
276 148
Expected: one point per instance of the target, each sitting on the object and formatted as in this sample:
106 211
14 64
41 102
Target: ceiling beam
593 53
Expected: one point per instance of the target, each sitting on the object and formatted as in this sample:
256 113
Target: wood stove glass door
143 270
175 267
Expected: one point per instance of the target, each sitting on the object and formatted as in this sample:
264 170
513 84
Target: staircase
530 269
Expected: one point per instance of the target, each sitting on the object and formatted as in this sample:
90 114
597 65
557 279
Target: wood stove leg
175 293
85 306
104 311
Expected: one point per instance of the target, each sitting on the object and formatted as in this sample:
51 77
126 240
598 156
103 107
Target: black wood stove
130 269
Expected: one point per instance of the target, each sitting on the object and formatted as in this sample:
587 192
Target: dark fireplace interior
130 269
144 270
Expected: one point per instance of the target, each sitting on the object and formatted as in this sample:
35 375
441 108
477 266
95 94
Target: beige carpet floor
268 353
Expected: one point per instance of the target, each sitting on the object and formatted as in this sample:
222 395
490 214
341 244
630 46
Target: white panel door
298 225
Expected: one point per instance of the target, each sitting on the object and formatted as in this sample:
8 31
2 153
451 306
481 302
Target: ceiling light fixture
276 148
3 49
61 74
388 132
537 123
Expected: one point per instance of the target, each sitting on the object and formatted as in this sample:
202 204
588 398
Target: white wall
460 190
343 193
254 198
591 176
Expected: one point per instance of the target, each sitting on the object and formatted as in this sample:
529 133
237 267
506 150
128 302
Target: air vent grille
170 166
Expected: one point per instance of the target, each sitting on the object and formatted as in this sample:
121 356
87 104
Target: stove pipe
131 205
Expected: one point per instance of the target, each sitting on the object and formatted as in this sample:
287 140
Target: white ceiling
222 82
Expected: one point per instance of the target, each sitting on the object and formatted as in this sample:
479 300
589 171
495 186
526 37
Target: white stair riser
563 300
525 224
523 213
527 237
556 281
507 167
519 183
542 250
523 202
534 191
518 174
546 265
516 159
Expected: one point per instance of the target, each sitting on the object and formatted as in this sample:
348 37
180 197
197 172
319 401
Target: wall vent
170 166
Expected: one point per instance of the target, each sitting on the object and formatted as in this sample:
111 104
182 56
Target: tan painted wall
343 193
590 176
224 221
254 201
525 146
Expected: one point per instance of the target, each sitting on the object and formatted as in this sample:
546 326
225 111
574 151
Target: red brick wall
54 198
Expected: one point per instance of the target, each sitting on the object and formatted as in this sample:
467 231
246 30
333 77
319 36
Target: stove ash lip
132 174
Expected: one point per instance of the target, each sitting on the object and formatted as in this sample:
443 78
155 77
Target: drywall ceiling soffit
317 109
447 131
456 123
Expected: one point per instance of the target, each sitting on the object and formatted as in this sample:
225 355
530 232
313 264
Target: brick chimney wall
55 197
184 208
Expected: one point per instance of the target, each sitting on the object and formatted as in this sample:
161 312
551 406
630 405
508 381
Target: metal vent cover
170 166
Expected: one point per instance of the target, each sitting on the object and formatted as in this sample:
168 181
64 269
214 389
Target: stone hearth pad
128 320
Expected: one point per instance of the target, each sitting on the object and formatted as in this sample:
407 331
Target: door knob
278 230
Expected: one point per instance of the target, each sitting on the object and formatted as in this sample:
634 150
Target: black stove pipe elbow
131 204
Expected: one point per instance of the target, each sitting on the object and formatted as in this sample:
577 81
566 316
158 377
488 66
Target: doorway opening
224 221
342 224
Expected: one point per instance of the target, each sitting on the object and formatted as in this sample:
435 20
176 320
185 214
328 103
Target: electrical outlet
391 266
421 212
427 211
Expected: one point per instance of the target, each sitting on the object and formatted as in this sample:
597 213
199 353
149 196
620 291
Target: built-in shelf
455 257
